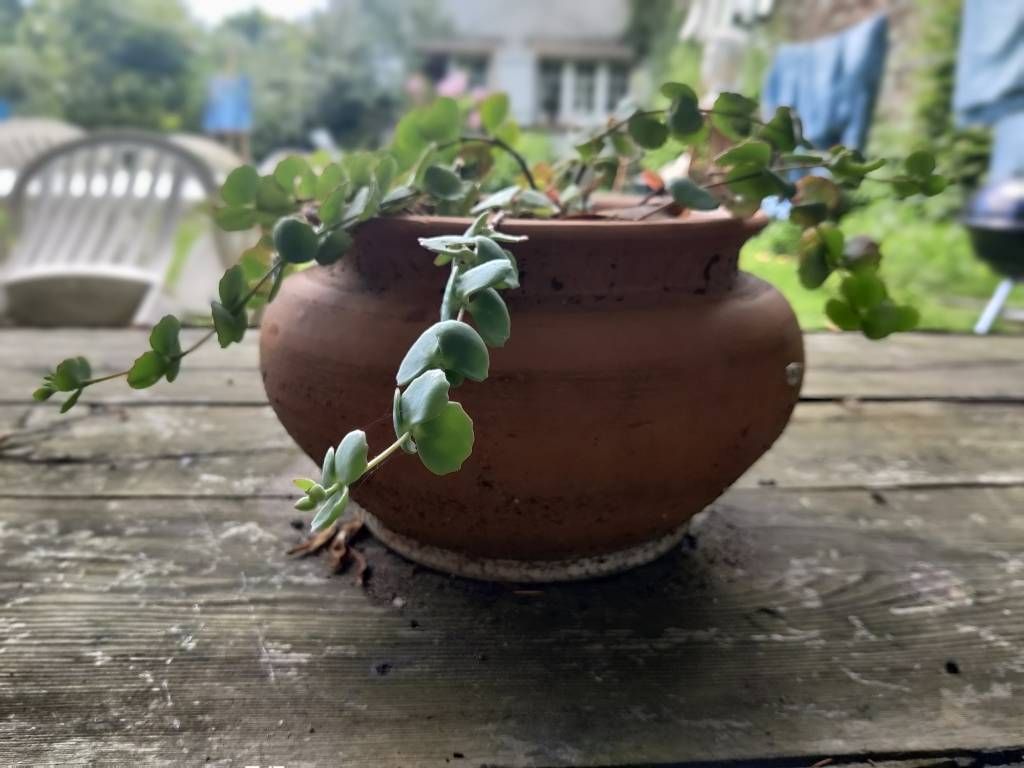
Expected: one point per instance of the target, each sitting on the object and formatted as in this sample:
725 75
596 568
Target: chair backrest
106 202
22 139
221 159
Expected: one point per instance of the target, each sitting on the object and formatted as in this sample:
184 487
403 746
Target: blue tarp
228 105
990 63
831 82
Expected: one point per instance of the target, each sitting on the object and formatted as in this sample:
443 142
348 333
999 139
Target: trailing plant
437 164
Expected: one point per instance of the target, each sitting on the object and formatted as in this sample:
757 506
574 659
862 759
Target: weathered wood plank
793 626
219 450
910 366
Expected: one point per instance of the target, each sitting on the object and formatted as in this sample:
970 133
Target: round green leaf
933 185
754 181
752 151
672 91
240 186
814 267
271 197
648 132
423 354
861 252
490 316
147 370
445 442
817 189
351 457
332 246
832 238
732 113
689 195
842 315
295 176
333 206
490 274
780 131
235 219
442 183
295 240
493 111
887 318
920 163
808 214
424 398
449 345
164 336
439 121
231 287
230 326
330 510
70 374
863 290
385 172
330 179
684 115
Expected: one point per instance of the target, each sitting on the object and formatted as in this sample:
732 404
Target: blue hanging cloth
831 82
990 63
228 105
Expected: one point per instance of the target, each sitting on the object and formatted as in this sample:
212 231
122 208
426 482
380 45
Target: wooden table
859 595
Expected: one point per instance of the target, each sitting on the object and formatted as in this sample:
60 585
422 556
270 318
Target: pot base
527 571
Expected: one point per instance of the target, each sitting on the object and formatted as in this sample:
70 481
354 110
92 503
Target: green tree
113 62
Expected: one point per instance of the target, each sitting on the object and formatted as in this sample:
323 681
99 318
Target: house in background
562 63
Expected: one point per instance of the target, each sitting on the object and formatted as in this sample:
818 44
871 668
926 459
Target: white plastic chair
94 223
22 139
220 158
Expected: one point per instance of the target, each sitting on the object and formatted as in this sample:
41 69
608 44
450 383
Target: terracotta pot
644 375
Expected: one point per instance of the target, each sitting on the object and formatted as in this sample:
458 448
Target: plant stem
381 457
205 337
494 141
754 175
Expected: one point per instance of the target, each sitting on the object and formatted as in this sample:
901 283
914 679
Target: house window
438 66
475 68
550 90
618 85
585 88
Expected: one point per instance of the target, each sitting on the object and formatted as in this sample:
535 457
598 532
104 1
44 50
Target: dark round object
995 220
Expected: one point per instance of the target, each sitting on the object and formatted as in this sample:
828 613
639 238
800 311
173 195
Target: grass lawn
927 262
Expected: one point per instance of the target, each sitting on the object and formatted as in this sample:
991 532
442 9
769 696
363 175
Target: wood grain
200 450
789 625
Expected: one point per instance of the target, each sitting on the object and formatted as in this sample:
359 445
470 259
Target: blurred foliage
146 63
105 62
929 263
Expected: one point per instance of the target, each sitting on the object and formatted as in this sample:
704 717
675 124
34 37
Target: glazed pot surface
643 376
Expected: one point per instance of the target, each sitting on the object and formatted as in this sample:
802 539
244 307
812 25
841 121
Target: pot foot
523 571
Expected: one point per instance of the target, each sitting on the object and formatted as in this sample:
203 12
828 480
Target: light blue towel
990 63
831 82
228 105
1007 148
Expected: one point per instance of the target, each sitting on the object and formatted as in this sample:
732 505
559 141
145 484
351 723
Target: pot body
644 375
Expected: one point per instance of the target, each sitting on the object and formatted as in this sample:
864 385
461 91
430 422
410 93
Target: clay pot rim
689 221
